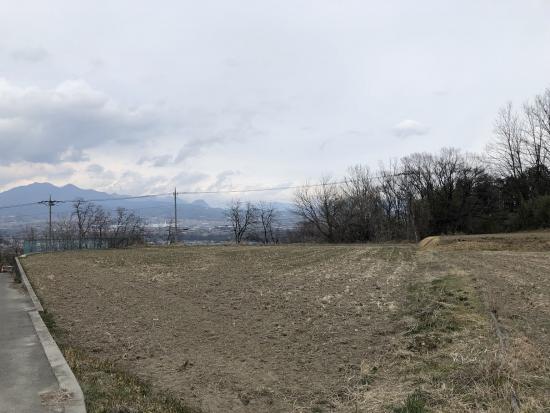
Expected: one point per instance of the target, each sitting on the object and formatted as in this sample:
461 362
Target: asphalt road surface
25 373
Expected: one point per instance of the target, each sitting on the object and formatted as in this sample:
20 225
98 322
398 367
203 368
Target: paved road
25 373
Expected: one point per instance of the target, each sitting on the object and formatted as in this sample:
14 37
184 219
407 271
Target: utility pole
175 216
50 204
50 220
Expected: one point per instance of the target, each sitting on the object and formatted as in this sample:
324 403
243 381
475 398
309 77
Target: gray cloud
257 86
95 169
186 180
223 180
191 149
25 173
30 54
195 146
157 161
97 63
132 182
60 124
409 127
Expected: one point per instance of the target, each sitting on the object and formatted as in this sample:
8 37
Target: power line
19 205
70 201
125 198
222 191
277 188
282 188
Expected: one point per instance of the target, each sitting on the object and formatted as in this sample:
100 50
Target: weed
49 321
436 305
415 403
108 389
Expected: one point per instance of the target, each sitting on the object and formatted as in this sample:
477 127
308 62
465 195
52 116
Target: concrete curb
28 286
63 373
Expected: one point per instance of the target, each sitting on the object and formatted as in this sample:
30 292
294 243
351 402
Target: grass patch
108 389
439 306
49 320
414 403
445 311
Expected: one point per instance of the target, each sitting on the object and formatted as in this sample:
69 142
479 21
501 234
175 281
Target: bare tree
65 232
507 151
84 214
102 222
537 132
128 228
542 103
30 233
361 214
396 198
320 206
448 167
267 214
418 168
241 218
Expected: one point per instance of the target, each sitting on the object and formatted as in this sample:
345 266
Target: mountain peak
41 191
155 208
37 185
201 203
71 187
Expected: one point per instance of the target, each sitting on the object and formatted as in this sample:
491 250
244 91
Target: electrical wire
277 188
19 205
227 191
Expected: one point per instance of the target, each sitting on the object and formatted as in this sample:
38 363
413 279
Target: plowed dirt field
315 328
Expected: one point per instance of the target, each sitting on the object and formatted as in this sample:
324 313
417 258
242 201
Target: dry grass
306 328
108 388
518 241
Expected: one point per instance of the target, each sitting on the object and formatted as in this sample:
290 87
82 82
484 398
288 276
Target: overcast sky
138 96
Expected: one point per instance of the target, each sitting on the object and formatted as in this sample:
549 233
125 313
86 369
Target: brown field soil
319 328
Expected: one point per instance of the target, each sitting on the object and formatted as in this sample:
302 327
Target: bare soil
312 328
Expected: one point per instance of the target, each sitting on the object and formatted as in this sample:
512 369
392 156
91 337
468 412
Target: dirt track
305 328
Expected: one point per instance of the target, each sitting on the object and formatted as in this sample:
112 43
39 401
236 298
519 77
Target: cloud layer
135 97
30 54
409 127
60 124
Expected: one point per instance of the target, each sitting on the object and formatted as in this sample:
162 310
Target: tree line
507 188
253 222
89 222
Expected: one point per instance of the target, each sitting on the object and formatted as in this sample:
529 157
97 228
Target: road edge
28 286
63 373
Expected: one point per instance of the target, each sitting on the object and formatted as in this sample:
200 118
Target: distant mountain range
42 191
156 210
